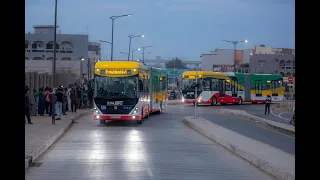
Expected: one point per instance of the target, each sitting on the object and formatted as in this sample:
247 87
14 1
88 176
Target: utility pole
195 95
53 112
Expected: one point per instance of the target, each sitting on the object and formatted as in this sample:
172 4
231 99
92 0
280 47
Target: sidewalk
42 134
273 161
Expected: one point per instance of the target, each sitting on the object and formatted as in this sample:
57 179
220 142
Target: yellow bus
128 91
229 87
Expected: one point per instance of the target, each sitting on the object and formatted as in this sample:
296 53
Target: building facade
273 64
225 59
69 47
94 55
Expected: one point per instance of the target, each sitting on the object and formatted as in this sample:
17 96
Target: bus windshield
188 84
115 87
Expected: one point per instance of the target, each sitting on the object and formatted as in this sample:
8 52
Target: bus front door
274 88
222 88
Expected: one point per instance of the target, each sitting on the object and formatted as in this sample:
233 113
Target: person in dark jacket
26 106
58 104
267 107
90 98
73 97
41 102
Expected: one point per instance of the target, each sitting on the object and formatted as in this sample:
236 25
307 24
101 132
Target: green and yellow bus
128 91
236 88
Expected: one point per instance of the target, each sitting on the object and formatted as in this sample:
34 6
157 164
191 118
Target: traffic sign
290 79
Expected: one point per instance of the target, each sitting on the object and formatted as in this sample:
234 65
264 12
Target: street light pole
143 48
132 51
102 41
130 37
234 51
124 53
53 113
195 95
114 18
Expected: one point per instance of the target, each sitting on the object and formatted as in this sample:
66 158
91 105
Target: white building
39 47
218 60
94 55
262 49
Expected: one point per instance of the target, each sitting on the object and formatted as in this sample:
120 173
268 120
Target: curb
174 103
46 145
266 122
261 164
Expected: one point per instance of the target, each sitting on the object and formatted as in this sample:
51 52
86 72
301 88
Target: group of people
66 99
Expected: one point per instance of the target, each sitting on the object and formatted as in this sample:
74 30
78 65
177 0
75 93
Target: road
246 127
258 110
162 148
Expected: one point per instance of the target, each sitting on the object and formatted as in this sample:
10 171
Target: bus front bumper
117 117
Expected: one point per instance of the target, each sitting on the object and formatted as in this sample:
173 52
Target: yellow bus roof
202 73
119 64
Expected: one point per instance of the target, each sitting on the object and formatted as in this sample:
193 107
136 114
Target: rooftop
44 26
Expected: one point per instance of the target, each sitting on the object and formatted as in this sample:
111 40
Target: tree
175 63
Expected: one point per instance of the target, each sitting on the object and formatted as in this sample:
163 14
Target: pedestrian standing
58 104
27 106
267 107
49 101
73 96
32 102
41 102
65 101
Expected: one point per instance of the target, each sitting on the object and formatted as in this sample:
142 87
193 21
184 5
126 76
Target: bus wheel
214 101
240 100
102 122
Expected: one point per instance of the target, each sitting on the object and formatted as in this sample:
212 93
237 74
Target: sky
175 28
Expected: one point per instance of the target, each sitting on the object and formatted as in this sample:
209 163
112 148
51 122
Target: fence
287 103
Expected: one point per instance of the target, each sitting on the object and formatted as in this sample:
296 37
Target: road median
42 134
271 160
280 127
174 102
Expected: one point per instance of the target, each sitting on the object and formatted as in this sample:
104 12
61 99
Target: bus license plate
115 117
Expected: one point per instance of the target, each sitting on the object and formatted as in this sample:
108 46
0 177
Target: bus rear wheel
214 101
240 100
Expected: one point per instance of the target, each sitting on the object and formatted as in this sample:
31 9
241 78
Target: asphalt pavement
161 148
245 126
258 110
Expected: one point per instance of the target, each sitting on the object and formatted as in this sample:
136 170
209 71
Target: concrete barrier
46 145
273 161
175 102
280 127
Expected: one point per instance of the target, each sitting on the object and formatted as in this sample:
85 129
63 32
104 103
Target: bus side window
228 86
215 85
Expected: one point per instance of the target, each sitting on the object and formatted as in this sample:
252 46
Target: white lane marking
279 115
149 172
